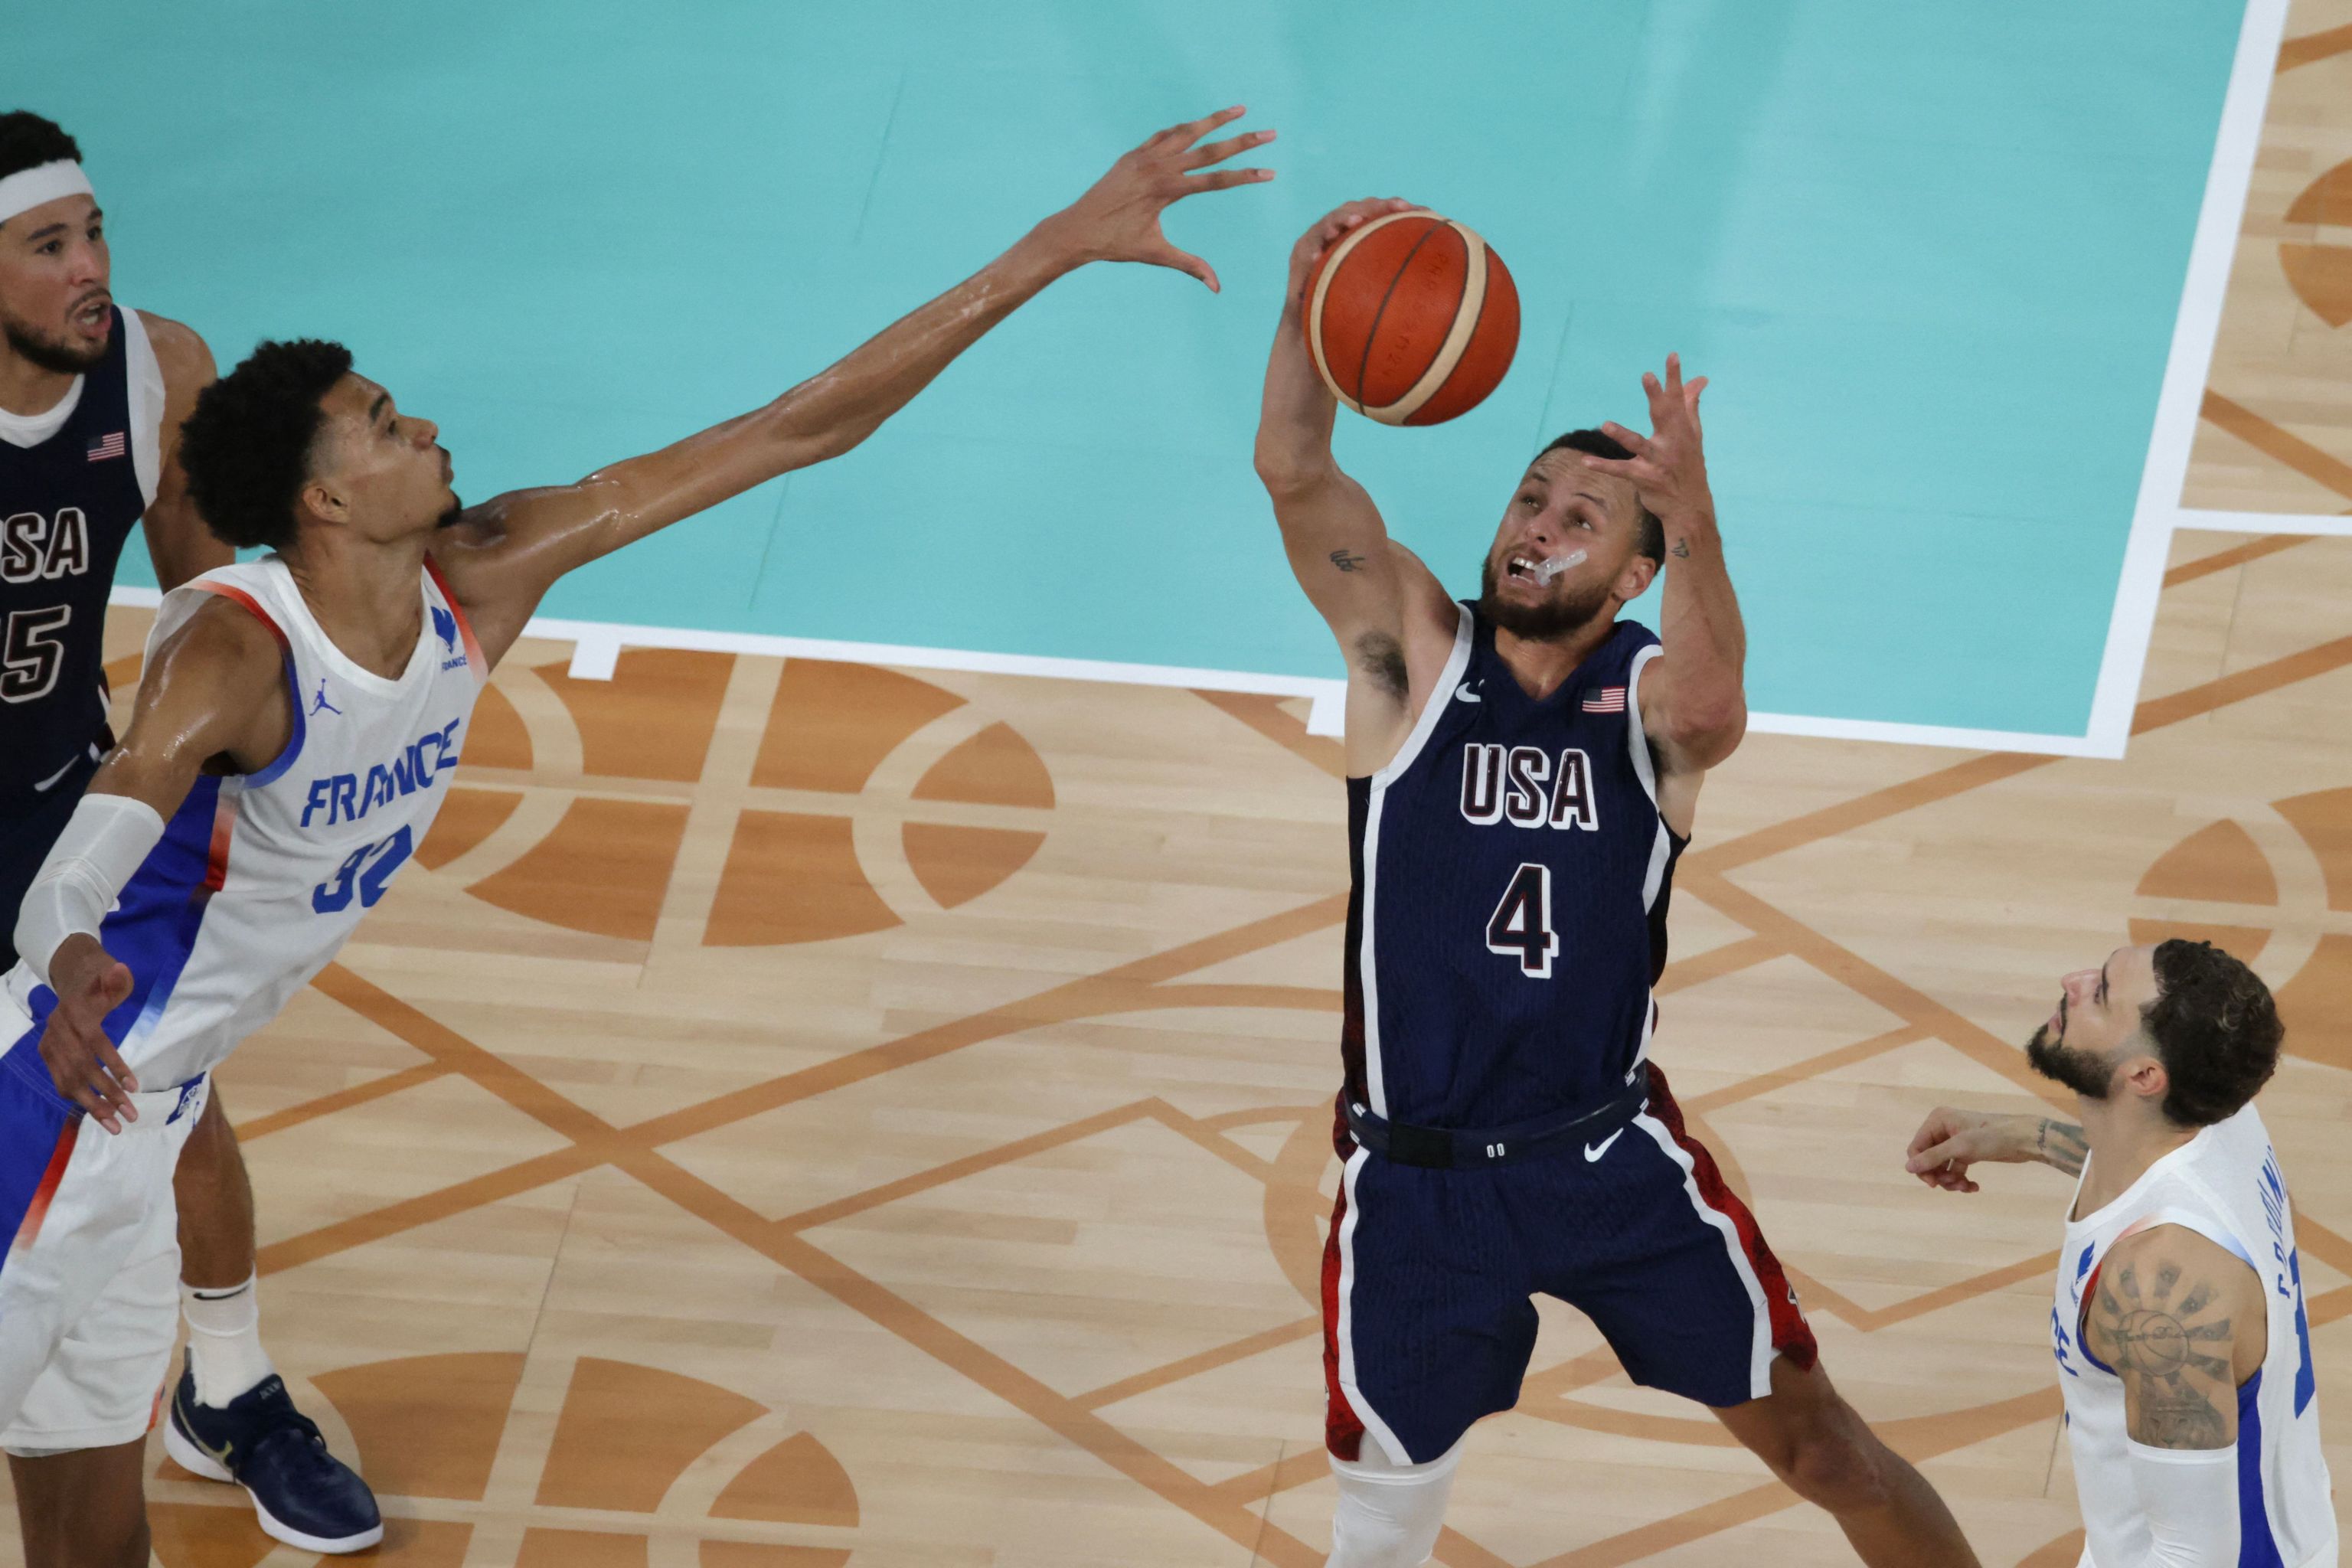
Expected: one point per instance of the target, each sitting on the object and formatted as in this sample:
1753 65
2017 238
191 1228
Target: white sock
224 1341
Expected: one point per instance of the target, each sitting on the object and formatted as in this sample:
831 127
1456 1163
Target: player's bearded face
58 353
2088 1073
1569 605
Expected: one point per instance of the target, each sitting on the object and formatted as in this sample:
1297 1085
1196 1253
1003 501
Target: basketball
1412 318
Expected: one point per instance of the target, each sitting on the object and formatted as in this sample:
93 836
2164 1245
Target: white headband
28 188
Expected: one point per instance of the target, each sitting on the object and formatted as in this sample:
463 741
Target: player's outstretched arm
178 543
503 556
1389 613
215 691
1694 700
1951 1140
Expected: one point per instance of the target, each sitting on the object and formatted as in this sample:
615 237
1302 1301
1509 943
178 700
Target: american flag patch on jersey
106 446
1608 699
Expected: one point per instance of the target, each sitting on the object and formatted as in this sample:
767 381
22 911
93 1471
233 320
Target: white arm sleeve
104 845
2189 1498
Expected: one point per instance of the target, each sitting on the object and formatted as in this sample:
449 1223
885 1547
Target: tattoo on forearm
1383 657
2060 1143
1347 561
1682 549
2164 1350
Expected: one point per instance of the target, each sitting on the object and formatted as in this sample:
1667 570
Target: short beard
56 358
1539 622
453 517
2088 1073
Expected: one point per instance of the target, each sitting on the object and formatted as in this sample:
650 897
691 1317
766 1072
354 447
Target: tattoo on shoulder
1381 657
2061 1143
1347 561
2171 1348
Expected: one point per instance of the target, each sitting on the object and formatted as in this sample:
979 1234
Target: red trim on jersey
474 660
239 596
1343 1429
224 828
28 1230
1791 1335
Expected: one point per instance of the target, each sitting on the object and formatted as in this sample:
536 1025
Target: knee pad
1389 1514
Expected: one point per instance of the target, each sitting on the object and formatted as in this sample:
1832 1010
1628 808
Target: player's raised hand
82 1062
1951 1140
1119 217
1326 231
1668 465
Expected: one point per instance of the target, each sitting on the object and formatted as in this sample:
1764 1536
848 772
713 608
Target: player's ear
1634 581
2145 1077
322 502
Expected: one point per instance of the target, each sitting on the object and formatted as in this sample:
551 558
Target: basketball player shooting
2182 1342
1523 771
291 744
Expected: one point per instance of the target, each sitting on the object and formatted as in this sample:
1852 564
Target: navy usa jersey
66 506
1508 916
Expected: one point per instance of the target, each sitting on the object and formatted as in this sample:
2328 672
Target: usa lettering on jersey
33 549
1525 786
422 761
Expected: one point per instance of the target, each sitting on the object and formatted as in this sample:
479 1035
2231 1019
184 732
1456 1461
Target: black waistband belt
1455 1148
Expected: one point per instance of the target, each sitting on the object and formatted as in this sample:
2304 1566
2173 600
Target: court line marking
2156 513
2211 695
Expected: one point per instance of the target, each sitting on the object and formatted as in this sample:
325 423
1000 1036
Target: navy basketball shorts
1429 1278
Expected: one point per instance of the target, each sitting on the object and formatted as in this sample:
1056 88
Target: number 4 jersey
1508 916
259 880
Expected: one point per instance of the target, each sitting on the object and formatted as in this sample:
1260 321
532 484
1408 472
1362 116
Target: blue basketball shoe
302 1494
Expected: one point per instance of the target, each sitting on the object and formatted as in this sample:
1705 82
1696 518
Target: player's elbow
1705 733
1286 472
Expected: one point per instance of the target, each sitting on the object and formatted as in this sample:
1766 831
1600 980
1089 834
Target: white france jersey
2225 1184
259 880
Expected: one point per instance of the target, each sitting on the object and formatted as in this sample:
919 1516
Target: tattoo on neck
2062 1145
1346 562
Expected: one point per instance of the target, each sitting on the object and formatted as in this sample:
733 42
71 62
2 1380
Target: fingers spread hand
1192 131
1224 179
1218 152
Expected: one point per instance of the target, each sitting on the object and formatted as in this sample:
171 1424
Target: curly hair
2216 1030
27 142
245 446
1651 540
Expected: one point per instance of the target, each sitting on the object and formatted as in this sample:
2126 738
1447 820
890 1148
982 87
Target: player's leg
1672 1268
82 1509
231 1416
1389 1514
1426 1327
1814 1441
216 1259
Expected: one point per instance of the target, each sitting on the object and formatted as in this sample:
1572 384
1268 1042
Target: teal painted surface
1930 256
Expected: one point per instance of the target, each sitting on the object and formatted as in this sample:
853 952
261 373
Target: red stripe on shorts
1791 1335
28 1230
1343 1429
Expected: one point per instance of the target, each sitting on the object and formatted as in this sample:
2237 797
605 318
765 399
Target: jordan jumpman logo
319 704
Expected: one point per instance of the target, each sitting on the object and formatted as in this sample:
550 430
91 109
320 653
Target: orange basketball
1411 318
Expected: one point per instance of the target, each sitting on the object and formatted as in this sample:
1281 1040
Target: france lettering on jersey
2226 1186
259 880
1511 876
67 504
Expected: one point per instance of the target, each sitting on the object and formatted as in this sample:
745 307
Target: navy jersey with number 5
1511 876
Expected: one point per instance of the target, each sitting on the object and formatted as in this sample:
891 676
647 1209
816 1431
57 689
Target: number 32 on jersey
1521 925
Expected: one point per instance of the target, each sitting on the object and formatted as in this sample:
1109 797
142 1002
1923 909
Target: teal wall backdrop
1930 255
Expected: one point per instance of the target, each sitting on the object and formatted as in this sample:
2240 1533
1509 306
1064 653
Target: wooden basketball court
802 1114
